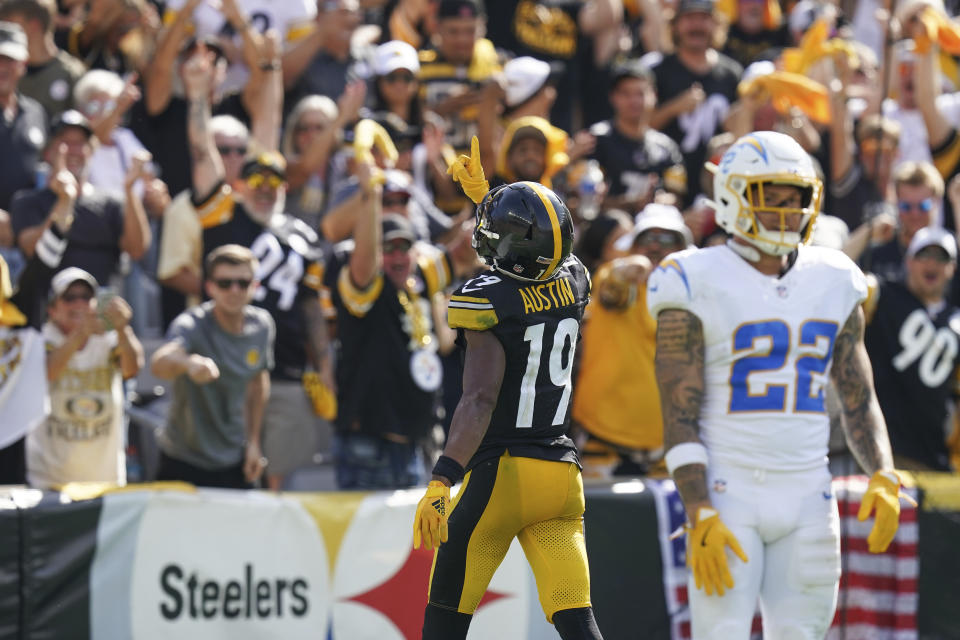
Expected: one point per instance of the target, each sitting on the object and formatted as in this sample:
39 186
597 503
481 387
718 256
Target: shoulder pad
472 305
669 286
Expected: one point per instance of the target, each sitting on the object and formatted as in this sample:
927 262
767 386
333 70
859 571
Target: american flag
878 592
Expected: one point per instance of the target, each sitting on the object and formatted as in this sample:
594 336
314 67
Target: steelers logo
253 357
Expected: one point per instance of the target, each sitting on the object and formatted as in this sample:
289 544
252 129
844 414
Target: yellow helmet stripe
555 223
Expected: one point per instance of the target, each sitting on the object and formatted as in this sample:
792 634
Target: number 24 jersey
538 324
768 345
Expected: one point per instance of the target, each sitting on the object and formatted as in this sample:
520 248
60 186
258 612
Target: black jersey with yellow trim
538 324
915 353
290 270
376 345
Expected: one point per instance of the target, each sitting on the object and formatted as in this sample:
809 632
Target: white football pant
789 527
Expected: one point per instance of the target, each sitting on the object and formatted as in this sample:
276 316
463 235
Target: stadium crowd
162 164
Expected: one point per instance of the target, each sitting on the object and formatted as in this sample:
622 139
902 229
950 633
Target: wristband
448 468
270 66
684 454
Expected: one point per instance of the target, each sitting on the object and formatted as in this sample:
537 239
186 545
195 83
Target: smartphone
104 296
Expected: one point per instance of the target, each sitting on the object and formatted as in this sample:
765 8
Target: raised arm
680 376
863 422
268 114
367 257
158 78
925 83
137 236
208 169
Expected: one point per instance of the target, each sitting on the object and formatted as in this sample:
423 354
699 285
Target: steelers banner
242 565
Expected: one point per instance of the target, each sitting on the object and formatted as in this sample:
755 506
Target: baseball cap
933 237
394 55
523 77
395 227
694 6
655 216
396 181
70 118
62 281
267 161
459 9
631 69
13 41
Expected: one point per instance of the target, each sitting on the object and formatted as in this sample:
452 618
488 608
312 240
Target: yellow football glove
706 554
430 523
322 397
882 497
468 171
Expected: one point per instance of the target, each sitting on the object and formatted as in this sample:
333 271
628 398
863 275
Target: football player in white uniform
747 334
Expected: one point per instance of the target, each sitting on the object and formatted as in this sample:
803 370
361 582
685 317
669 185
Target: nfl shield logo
781 291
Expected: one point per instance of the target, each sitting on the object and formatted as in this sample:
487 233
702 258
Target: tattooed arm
863 422
680 376
208 169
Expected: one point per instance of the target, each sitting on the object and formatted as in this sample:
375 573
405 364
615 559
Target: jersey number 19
560 368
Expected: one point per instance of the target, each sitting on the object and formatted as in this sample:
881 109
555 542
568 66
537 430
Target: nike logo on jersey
549 295
440 507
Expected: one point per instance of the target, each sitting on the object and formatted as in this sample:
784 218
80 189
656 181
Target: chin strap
750 254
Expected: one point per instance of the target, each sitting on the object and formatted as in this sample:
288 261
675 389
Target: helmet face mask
742 187
523 230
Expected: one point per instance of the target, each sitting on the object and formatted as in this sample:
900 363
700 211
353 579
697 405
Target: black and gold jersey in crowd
538 324
377 391
638 168
914 353
290 272
440 80
946 158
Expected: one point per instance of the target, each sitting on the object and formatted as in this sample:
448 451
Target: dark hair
232 254
590 247
40 10
380 104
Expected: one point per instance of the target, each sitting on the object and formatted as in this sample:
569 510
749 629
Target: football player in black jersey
518 324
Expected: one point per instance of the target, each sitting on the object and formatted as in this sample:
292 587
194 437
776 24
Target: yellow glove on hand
468 171
706 554
430 523
883 497
322 397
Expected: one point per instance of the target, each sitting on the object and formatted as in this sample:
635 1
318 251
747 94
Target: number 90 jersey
768 344
538 324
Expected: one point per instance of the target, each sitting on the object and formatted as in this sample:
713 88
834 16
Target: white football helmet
757 159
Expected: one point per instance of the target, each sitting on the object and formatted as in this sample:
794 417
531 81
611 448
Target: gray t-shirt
206 426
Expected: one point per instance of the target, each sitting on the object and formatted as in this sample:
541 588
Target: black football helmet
523 230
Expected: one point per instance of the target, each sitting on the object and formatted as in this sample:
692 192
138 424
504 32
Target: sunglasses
226 150
399 76
256 181
663 238
86 296
227 283
924 206
396 245
309 126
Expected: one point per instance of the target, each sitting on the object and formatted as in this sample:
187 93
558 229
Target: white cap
757 69
933 237
13 41
655 216
523 77
62 281
394 55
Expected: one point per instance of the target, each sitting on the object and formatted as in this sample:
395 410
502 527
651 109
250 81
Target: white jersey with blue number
768 346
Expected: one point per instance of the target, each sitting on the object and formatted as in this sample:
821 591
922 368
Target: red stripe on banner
900 586
684 631
880 619
896 548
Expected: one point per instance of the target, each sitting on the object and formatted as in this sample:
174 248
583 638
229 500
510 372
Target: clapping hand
202 370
